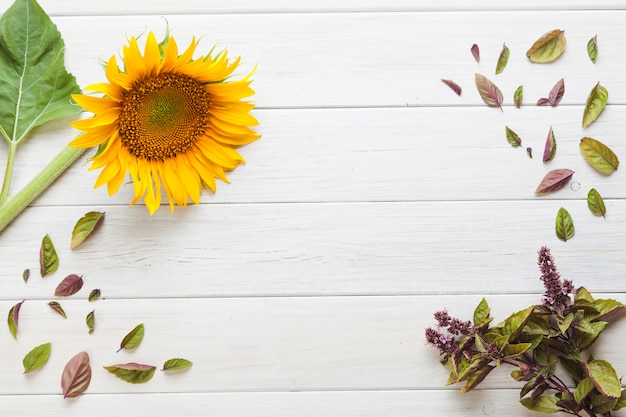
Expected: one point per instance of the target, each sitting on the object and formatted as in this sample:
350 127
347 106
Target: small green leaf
135 373
564 225
481 312
592 49
599 156
57 307
133 338
48 258
85 226
36 358
503 59
514 324
547 48
512 137
90 320
622 401
176 364
596 203
550 148
564 322
94 295
604 377
14 318
602 404
595 104
516 349
584 387
543 404
26 275
518 96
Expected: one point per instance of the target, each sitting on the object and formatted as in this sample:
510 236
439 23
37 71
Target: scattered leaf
596 203
85 226
547 48
176 364
94 295
595 104
135 373
564 225
14 318
454 86
70 285
26 275
512 137
557 92
36 358
550 148
518 96
90 320
48 258
529 151
592 48
76 376
57 307
554 180
133 338
599 156
543 101
503 59
489 92
476 52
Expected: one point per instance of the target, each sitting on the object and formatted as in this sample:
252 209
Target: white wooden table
375 197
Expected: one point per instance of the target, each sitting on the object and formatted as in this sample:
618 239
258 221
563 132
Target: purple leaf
454 86
489 92
76 376
70 285
543 101
476 52
554 180
550 149
556 94
57 307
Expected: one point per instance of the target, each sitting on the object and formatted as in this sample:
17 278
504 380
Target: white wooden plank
318 249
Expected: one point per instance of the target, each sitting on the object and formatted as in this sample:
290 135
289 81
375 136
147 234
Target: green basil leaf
592 49
543 404
91 321
518 96
604 377
133 338
547 48
94 295
596 101
54 305
550 148
85 226
503 59
512 137
596 203
599 156
176 364
564 225
135 373
36 358
48 258
14 318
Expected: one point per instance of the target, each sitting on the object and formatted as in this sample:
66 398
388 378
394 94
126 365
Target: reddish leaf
529 151
550 149
135 373
14 318
543 101
76 376
489 92
554 180
556 94
70 285
454 86
57 307
476 52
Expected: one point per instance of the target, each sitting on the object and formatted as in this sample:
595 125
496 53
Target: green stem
8 173
14 206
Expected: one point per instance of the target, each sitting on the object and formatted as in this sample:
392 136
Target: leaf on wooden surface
599 156
54 305
503 59
557 92
548 47
596 203
14 318
48 258
554 180
564 225
592 49
36 358
529 151
26 275
550 148
91 320
85 226
512 137
518 96
604 377
454 86
94 295
70 285
76 376
135 373
476 52
176 364
489 92
596 101
133 338
542 102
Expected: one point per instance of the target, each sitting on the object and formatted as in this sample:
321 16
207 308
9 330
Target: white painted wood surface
375 197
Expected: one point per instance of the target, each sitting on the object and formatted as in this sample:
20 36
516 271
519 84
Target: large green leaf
34 84
604 377
543 404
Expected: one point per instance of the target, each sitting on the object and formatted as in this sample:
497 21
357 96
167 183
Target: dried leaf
592 49
529 151
550 149
599 156
595 104
36 358
454 86
564 225
596 203
135 373
489 92
85 226
48 258
133 338
503 59
57 307
94 295
26 275
70 285
518 96
547 48
512 137
554 180
14 318
476 52
76 376
90 320
176 364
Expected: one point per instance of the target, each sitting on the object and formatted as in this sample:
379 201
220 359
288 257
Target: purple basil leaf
476 52
454 86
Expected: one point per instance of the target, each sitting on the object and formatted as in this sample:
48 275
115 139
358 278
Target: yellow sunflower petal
104 118
109 172
93 104
152 55
170 55
109 90
93 137
113 74
190 178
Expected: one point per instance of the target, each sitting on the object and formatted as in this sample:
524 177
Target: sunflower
168 120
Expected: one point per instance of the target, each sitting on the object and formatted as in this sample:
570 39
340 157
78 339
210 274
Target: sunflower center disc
162 116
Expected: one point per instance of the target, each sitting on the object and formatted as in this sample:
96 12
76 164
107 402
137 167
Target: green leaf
518 96
36 358
564 322
85 226
133 338
602 404
543 404
48 258
176 364
135 373
26 275
564 225
14 318
550 148
503 59
35 85
94 295
622 401
481 312
583 294
515 323
512 137
592 49
595 104
582 341
596 203
547 48
583 388
90 320
515 350
57 307
599 156
607 309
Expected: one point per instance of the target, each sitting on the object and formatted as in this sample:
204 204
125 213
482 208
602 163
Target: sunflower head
168 120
